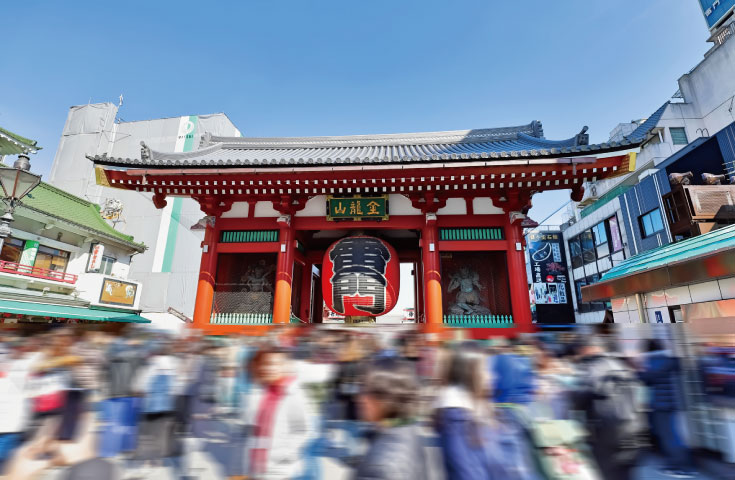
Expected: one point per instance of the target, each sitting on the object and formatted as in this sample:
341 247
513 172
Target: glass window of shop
12 250
595 245
51 259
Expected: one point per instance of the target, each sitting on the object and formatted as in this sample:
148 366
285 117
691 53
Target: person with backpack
659 371
158 386
607 393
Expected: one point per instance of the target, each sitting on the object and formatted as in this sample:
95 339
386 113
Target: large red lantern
361 276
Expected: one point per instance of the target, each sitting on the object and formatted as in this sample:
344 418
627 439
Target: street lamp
16 182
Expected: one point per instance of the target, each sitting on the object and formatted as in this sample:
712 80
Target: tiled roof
525 141
58 204
13 144
675 252
639 134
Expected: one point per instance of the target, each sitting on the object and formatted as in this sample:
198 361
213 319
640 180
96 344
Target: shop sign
116 292
357 208
361 277
95 257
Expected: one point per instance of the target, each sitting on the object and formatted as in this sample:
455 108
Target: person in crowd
660 371
15 376
346 387
157 383
474 444
387 400
607 392
279 416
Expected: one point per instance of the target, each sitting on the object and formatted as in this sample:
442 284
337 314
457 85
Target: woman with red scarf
278 413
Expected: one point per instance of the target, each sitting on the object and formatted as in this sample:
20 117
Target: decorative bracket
159 200
289 206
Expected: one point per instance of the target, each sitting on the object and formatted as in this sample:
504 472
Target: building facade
625 216
64 263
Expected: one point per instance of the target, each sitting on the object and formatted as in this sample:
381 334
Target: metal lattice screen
244 287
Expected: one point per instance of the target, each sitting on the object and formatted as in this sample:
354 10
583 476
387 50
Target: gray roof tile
523 141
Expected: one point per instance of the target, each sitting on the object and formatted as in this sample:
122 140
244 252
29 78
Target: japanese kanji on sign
357 208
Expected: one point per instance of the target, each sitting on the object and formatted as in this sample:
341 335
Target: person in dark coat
387 401
475 442
660 372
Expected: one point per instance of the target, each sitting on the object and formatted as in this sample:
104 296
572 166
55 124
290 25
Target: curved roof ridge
645 128
542 142
533 129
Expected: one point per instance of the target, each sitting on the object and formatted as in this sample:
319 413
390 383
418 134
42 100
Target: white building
170 266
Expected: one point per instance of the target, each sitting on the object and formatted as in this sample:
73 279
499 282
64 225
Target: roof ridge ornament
145 152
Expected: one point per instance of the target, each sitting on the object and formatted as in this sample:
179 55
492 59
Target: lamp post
16 182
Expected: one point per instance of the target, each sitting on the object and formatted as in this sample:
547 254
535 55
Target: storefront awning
63 311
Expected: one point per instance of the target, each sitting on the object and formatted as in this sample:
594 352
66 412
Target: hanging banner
30 250
95 258
361 277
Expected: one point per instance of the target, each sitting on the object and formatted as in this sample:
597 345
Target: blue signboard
715 10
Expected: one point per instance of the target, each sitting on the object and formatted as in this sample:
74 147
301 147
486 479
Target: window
575 251
106 265
51 259
615 239
581 307
678 135
588 246
600 233
651 223
12 250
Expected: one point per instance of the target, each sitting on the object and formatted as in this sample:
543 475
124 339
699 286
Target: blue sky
348 67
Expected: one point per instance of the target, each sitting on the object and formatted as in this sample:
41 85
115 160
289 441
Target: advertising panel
549 277
116 292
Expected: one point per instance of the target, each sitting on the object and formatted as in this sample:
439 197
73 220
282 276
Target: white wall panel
238 210
655 299
705 292
727 287
678 296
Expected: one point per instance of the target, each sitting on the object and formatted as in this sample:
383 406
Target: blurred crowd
86 404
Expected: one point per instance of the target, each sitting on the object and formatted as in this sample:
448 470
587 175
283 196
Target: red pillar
207 275
305 303
284 272
432 274
521 304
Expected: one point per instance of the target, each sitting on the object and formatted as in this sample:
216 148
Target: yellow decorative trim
101 177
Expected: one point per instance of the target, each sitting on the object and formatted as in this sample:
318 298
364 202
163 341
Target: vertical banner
28 257
549 277
171 215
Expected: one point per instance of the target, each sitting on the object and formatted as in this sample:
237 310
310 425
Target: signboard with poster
117 292
95 257
549 277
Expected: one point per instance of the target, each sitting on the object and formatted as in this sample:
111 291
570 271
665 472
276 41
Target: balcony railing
37 272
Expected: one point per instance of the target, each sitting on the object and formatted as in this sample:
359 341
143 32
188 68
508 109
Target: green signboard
30 250
357 208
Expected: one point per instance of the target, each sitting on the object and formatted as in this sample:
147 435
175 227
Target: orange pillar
432 274
520 302
207 275
282 297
